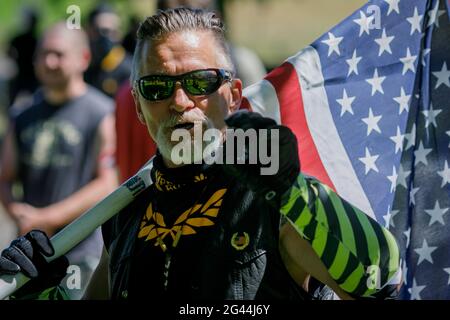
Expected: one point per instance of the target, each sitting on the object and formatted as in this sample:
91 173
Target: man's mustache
189 116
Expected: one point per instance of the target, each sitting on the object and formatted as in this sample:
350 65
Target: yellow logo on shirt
199 215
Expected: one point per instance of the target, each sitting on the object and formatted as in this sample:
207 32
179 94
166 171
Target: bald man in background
60 149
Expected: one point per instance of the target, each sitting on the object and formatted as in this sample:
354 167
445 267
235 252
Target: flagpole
83 226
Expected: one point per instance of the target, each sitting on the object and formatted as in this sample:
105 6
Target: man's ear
236 95
137 105
85 60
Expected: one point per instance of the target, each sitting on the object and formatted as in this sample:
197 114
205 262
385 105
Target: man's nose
180 100
51 61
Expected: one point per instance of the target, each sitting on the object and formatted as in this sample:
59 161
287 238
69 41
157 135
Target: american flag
369 102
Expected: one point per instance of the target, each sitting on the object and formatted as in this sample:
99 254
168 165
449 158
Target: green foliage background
51 11
275 29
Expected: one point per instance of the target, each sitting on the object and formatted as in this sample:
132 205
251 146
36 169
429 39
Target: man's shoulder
29 108
92 106
96 100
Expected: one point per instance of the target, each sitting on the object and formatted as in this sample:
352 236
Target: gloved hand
26 254
272 186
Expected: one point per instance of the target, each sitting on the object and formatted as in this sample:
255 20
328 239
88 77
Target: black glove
271 187
26 254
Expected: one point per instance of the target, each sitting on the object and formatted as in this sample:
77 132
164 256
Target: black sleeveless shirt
227 246
58 151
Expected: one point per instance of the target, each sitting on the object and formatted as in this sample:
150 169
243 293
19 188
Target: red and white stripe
294 94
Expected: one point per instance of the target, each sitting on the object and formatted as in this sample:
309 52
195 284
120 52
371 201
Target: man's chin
179 155
53 84
189 144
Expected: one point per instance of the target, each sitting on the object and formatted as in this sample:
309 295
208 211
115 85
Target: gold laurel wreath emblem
240 241
153 224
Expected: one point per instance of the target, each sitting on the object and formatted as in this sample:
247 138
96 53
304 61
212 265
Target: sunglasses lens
202 82
156 88
197 83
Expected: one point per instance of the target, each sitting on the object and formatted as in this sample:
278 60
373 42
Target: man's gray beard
165 145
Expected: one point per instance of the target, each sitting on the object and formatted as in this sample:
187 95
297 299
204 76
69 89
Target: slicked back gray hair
178 20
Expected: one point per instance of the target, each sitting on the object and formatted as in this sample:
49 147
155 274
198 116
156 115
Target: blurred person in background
60 149
134 145
129 40
111 64
21 49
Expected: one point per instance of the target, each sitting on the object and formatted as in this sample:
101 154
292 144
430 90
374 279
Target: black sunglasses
197 83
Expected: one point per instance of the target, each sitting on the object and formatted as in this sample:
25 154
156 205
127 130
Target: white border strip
263 99
323 130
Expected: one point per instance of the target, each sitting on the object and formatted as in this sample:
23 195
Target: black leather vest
222 272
